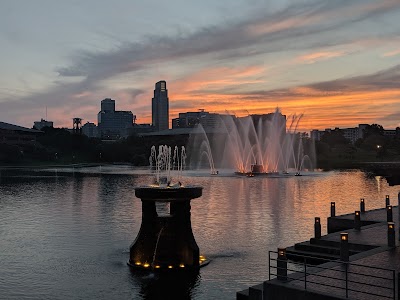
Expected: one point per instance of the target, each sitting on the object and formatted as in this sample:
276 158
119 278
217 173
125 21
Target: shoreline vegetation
58 148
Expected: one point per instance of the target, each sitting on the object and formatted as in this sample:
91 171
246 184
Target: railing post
305 274
391 235
269 265
394 285
357 220
347 280
398 203
362 205
389 213
317 228
344 247
282 264
387 200
333 209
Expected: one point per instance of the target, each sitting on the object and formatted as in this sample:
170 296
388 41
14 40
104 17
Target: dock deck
371 273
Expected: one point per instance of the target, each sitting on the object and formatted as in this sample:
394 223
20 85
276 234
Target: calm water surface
68 237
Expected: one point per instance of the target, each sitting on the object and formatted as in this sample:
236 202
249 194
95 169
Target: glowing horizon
333 61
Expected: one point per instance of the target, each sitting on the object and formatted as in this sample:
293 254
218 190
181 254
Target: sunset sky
335 61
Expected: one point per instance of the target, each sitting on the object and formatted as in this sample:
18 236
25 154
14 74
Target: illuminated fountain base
166 241
256 170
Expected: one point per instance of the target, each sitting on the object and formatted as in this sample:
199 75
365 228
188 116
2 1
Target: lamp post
282 264
317 228
344 246
389 213
362 205
357 220
391 235
333 209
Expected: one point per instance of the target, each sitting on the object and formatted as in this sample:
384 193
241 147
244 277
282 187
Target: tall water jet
165 240
257 144
200 149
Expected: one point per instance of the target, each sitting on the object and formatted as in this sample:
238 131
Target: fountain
166 241
256 145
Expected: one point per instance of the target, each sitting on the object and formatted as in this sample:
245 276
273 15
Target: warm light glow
146 265
391 225
138 263
157 266
317 220
281 251
181 266
357 213
170 267
332 203
389 207
362 199
344 236
387 196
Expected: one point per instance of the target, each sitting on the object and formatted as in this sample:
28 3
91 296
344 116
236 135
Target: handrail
362 284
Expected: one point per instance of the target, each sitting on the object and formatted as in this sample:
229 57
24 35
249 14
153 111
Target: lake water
67 236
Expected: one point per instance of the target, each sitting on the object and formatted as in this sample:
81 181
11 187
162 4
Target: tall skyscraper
160 107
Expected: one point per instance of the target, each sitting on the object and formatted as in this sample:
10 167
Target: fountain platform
257 170
166 241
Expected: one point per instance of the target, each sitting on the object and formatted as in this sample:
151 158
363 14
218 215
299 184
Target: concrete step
352 246
242 295
325 249
314 258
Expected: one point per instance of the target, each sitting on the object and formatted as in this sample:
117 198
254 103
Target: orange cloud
318 56
391 53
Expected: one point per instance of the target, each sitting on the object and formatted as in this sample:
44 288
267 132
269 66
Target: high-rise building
160 107
108 105
113 124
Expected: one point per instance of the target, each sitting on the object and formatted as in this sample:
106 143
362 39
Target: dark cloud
292 28
382 80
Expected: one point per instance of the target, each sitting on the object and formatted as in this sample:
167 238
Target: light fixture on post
282 264
344 246
391 235
317 228
357 220
389 213
362 205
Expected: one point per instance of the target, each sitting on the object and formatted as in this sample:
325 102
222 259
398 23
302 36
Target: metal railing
349 278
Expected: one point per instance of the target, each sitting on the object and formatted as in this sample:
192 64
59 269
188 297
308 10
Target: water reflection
87 222
153 286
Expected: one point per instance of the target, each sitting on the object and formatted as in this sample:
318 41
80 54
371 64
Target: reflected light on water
68 237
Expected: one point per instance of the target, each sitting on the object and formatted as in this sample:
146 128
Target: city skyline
337 62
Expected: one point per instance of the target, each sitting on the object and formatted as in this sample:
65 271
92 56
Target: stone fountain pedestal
166 241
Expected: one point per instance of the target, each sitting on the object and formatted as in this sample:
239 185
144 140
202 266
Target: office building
202 117
351 134
90 130
11 134
160 107
113 124
42 123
